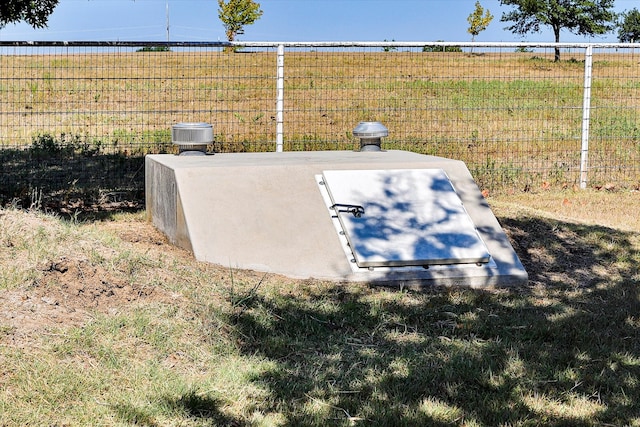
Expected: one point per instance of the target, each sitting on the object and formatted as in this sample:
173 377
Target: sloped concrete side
163 203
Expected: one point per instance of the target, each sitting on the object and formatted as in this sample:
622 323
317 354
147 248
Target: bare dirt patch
77 284
70 289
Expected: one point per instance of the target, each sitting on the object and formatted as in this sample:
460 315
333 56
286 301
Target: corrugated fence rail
79 116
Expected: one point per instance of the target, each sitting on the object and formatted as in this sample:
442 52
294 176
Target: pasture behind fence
81 115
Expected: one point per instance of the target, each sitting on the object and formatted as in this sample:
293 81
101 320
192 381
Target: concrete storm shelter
382 217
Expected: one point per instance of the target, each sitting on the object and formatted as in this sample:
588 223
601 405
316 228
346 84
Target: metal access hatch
402 217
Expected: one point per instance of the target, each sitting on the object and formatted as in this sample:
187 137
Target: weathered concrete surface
263 211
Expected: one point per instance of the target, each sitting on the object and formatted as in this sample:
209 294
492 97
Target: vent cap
191 137
370 134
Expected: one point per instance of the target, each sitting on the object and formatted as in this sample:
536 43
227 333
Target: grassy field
514 118
104 323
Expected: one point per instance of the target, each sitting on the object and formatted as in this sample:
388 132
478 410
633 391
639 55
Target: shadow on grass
135 416
70 182
201 408
190 404
564 350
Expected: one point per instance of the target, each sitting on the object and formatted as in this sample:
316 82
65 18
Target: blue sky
283 20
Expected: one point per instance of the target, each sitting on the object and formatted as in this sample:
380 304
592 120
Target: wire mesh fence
79 117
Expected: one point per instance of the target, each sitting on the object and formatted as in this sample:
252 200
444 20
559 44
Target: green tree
35 13
581 17
479 20
236 14
629 26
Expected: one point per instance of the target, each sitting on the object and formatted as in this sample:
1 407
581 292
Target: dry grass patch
615 209
165 340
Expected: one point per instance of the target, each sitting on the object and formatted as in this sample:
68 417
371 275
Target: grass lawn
104 323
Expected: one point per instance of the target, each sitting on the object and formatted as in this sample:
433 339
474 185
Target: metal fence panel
72 114
614 137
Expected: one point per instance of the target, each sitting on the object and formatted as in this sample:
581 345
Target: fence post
586 110
280 100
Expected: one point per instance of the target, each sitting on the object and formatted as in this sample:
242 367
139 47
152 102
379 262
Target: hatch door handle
355 210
